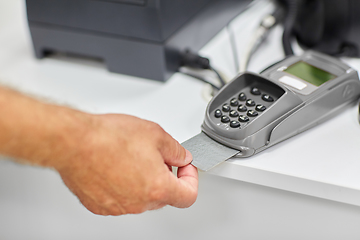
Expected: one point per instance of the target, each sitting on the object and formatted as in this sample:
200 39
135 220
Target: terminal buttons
238 110
255 91
242 96
252 113
218 113
250 103
225 119
267 98
234 102
243 118
233 113
260 108
234 124
242 108
226 108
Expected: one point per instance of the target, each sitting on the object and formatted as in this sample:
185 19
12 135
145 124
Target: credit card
206 152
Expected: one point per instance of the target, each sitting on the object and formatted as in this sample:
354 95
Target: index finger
172 152
184 188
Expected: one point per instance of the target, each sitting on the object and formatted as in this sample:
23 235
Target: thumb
173 153
184 188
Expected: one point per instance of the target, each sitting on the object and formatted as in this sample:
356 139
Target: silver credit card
206 152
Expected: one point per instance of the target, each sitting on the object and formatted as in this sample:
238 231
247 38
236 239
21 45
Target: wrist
39 133
71 137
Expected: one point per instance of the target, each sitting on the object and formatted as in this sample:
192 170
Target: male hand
115 164
124 166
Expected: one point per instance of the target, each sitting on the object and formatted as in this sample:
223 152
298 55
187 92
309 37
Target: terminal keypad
243 108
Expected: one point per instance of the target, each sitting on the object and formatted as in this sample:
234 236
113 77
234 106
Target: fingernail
188 157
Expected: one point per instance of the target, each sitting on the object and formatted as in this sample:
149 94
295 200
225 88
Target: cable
222 81
193 60
267 23
292 12
201 79
251 47
273 64
224 76
233 47
232 38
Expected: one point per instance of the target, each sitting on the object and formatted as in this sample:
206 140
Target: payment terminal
255 111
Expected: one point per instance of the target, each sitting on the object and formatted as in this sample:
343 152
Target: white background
318 169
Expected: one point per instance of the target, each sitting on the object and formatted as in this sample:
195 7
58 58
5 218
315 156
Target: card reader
255 111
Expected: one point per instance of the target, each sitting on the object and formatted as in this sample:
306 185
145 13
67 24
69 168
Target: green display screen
310 73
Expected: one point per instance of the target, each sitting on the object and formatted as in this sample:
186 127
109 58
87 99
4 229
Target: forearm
39 133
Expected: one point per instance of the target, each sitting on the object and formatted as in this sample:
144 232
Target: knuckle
156 130
156 127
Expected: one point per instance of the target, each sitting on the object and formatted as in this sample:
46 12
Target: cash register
142 38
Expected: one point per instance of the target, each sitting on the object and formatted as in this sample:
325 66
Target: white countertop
322 162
